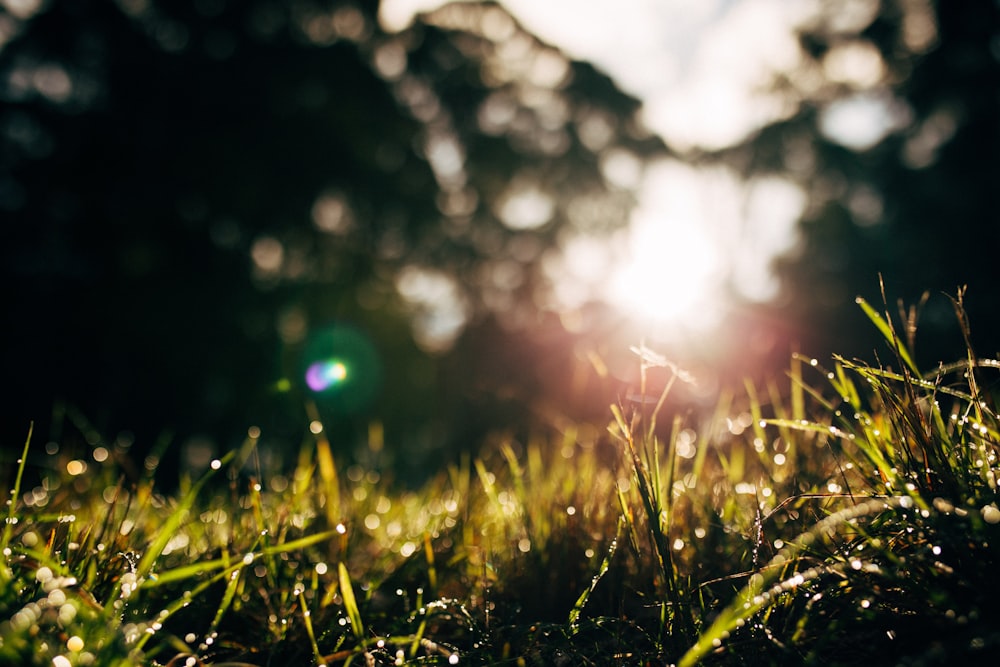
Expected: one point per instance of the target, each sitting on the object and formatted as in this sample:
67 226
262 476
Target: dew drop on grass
67 612
216 464
991 514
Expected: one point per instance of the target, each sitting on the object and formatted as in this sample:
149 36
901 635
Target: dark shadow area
195 193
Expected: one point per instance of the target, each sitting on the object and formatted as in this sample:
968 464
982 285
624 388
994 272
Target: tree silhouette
193 191
915 201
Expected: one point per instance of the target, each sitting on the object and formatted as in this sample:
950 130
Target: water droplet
991 514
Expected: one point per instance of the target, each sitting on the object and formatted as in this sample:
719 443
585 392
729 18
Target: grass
833 516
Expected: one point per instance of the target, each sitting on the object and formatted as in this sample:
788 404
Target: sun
667 275
669 267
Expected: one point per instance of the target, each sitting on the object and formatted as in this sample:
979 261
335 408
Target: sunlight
670 266
700 239
665 277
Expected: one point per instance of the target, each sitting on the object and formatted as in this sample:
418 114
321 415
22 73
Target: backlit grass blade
871 449
300 544
307 619
581 601
227 597
15 493
186 572
350 602
889 333
751 598
175 520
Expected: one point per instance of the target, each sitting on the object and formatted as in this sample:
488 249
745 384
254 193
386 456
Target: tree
894 137
193 191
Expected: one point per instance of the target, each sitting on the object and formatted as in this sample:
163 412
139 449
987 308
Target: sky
697 66
709 53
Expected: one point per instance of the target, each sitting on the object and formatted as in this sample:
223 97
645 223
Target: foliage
916 74
267 170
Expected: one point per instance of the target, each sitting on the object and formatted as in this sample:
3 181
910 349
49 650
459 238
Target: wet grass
832 516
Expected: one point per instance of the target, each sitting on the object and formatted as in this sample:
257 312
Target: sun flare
669 268
667 274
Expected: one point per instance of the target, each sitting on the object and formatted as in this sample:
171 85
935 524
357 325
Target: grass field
843 513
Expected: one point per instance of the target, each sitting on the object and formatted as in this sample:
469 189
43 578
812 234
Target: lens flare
341 368
323 375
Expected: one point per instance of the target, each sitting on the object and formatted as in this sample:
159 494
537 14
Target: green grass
833 516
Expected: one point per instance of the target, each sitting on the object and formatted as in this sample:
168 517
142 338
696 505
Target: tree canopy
195 191
892 133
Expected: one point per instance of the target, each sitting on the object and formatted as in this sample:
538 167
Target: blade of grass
15 493
581 601
307 620
175 519
350 602
751 598
889 333
327 468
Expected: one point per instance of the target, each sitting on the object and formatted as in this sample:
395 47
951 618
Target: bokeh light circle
341 368
322 375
